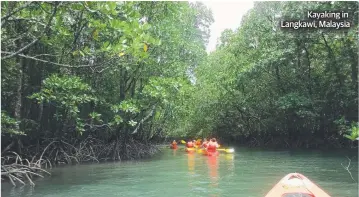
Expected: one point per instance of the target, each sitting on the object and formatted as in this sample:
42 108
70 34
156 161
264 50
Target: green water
174 173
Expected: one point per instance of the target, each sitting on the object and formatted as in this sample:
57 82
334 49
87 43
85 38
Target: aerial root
18 171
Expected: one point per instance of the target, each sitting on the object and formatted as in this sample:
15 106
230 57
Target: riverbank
35 161
325 144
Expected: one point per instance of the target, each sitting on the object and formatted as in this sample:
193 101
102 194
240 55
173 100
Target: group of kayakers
209 145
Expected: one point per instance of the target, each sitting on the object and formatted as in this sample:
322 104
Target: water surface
248 173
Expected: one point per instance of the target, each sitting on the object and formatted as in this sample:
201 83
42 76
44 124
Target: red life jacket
211 147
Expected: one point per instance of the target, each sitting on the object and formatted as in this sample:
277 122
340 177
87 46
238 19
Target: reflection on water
213 165
213 170
191 166
229 158
246 173
191 163
23 190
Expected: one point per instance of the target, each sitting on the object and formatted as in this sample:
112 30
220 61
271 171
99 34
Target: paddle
229 150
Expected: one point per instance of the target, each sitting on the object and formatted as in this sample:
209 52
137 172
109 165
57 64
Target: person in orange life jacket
198 143
190 144
205 142
212 145
174 144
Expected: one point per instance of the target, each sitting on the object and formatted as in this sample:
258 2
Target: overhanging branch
144 119
4 18
54 63
37 39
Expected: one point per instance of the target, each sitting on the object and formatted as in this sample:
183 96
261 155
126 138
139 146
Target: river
247 173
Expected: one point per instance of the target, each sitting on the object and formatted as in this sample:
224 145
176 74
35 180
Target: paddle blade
230 150
183 142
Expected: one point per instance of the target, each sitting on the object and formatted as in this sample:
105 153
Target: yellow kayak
226 150
190 150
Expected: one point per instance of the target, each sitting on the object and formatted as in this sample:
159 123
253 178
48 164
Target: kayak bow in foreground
296 184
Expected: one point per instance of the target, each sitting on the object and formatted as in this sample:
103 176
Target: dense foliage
95 80
104 80
266 86
91 81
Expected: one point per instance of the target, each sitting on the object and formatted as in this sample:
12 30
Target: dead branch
347 168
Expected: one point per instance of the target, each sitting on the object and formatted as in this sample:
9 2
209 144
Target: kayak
190 150
296 184
229 151
207 153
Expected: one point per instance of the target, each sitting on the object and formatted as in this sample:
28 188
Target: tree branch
347 168
34 41
57 64
144 119
4 18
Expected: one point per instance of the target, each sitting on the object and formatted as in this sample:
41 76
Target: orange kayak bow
295 184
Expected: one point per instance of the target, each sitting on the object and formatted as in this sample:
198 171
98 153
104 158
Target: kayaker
205 142
194 144
189 144
198 143
174 144
212 145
